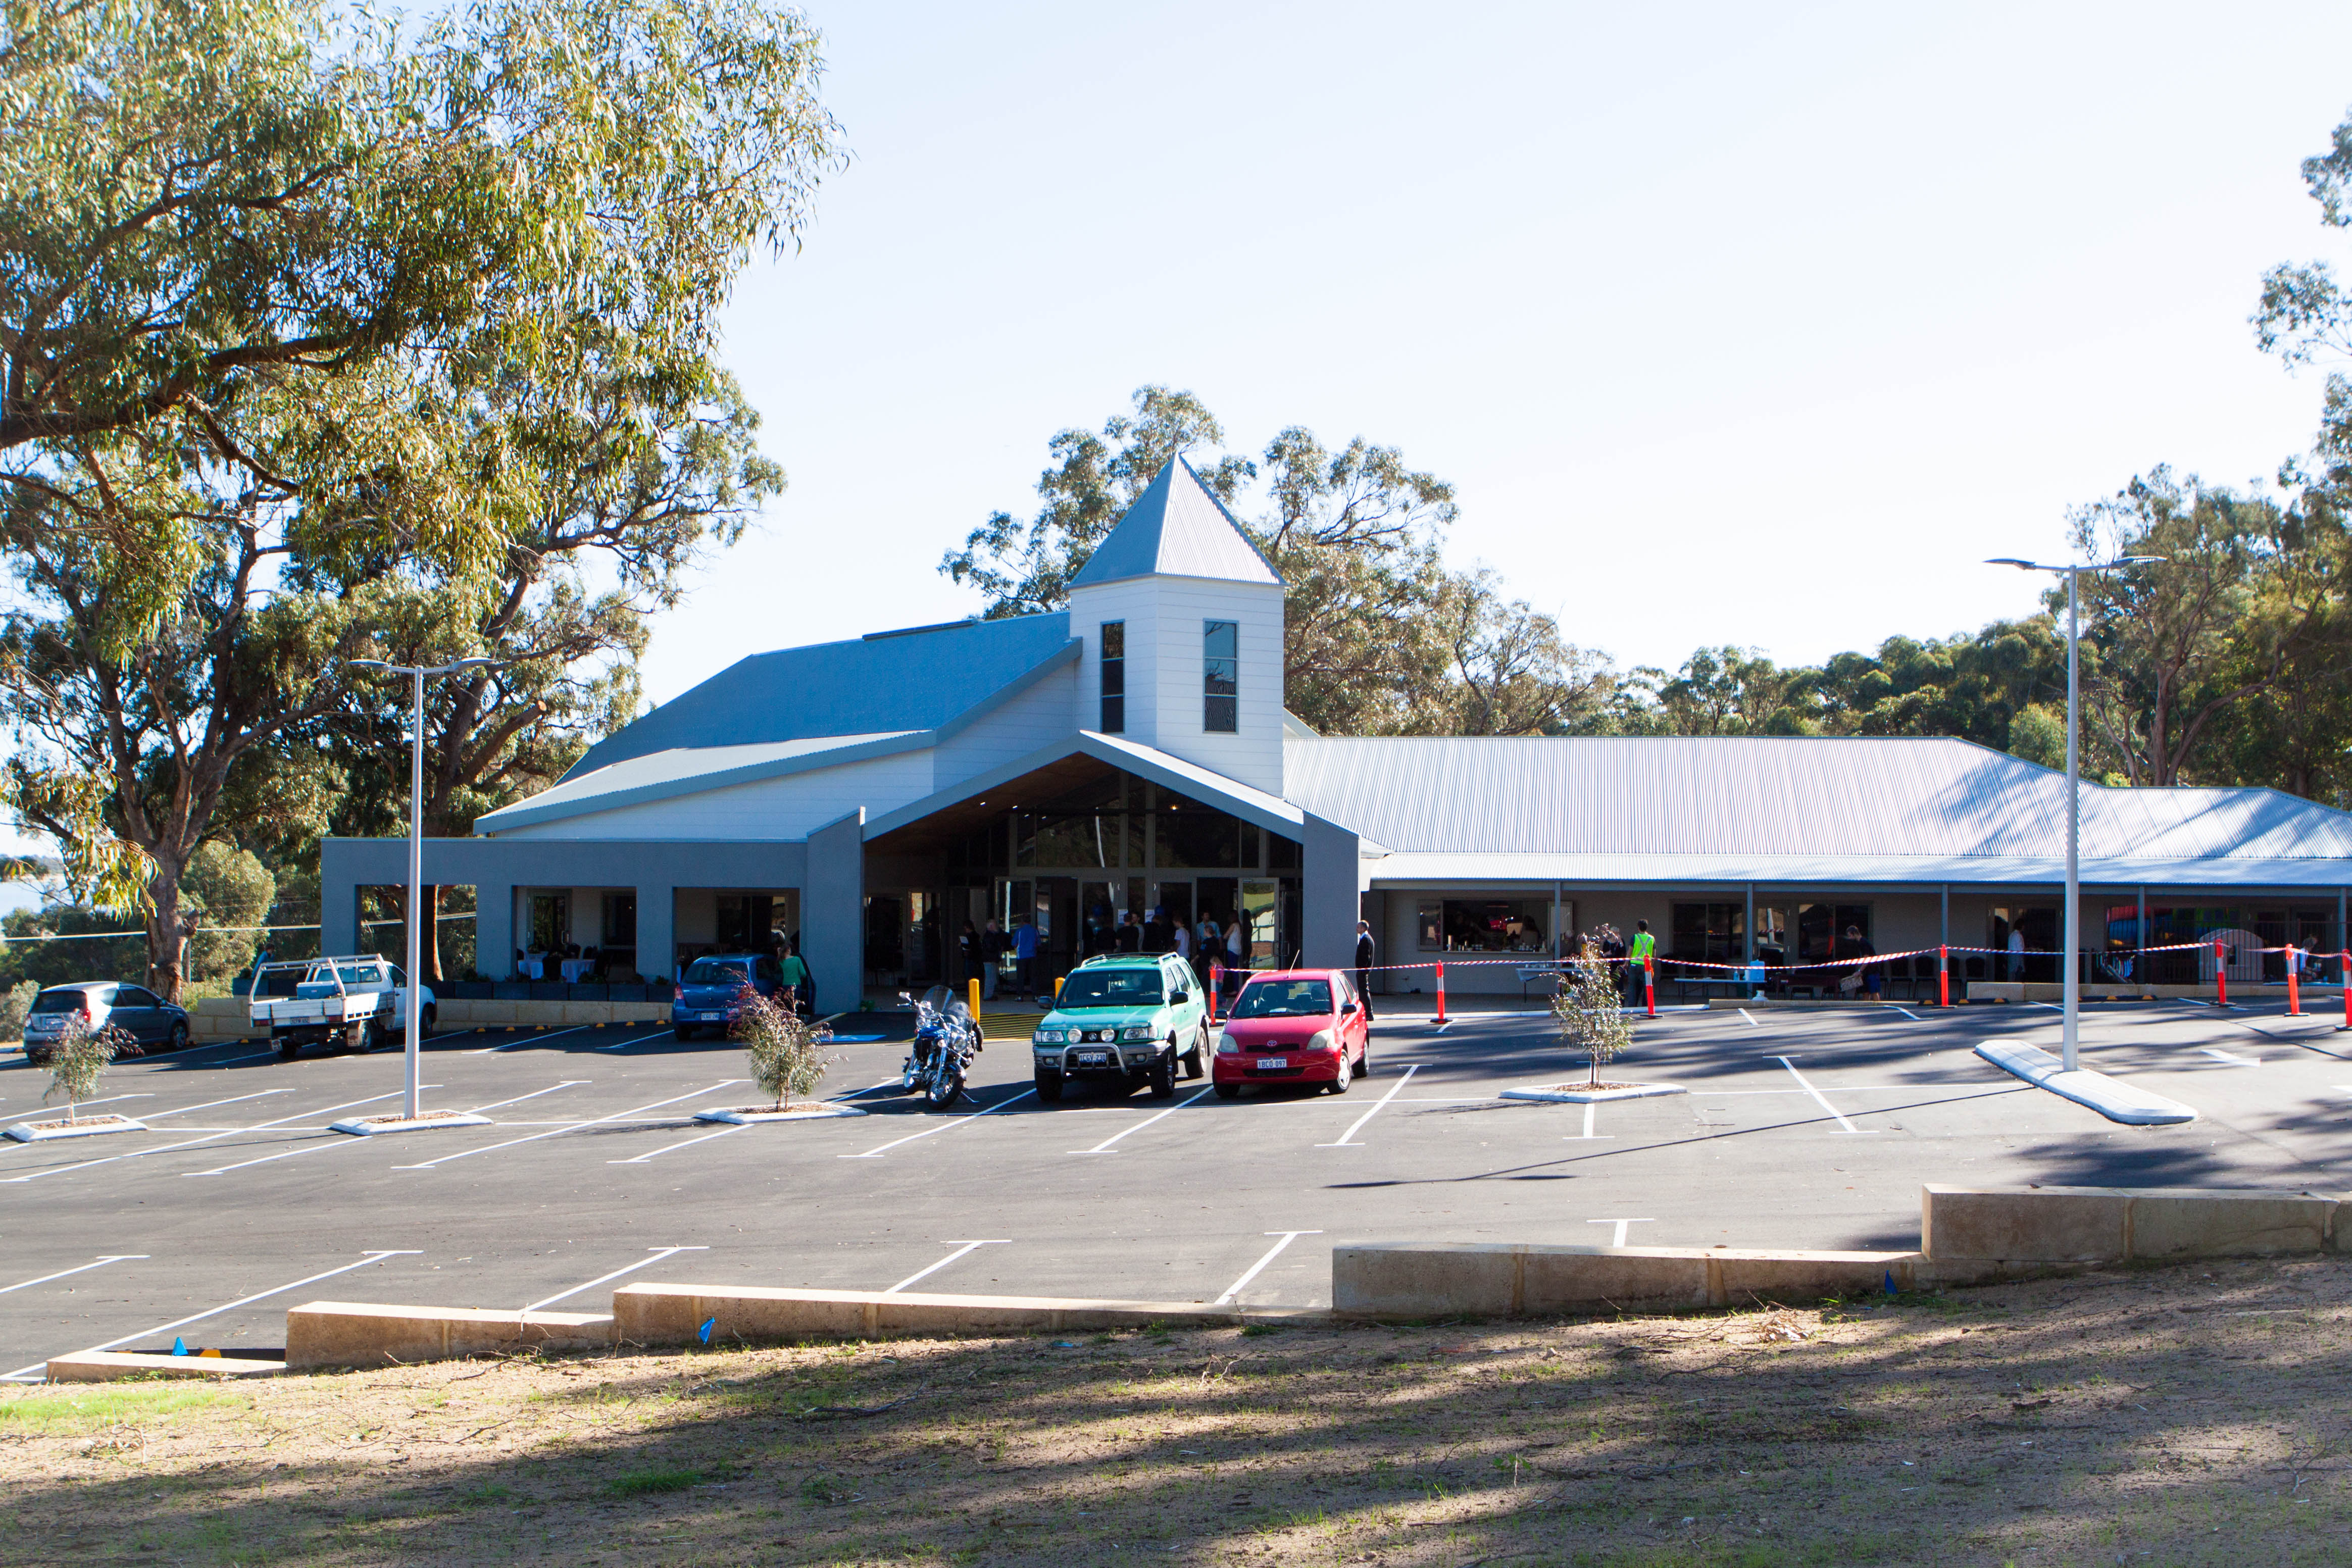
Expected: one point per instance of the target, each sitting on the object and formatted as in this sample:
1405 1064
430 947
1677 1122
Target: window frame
1111 670
1221 710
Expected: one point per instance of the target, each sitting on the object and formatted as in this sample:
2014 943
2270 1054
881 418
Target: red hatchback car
1294 1026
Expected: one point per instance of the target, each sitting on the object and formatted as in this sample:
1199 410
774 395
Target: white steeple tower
1183 614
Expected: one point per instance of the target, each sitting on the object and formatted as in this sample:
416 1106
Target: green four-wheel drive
1126 1016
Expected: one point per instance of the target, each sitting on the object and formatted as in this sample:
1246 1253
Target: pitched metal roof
1177 528
1737 802
925 677
690 770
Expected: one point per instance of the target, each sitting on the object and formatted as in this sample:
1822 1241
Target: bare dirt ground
2183 1415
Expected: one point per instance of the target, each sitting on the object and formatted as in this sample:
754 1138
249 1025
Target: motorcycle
947 1037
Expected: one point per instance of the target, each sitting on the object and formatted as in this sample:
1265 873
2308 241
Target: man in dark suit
1364 965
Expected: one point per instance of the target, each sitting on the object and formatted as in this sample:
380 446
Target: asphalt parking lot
1801 1129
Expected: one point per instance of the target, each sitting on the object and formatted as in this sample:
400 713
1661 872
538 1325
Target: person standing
991 958
1025 956
1131 933
2016 953
792 976
1364 965
1639 957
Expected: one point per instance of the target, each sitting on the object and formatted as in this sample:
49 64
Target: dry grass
2186 1416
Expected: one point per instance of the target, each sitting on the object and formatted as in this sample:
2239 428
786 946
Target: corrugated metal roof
1176 528
690 770
1749 798
923 678
1498 869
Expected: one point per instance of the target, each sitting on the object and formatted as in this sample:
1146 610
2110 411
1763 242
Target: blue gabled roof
919 679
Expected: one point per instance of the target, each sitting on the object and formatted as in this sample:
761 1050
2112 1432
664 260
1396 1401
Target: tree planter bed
806 1111
80 1127
1591 1093
367 1127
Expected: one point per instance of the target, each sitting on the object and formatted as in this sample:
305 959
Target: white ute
359 1002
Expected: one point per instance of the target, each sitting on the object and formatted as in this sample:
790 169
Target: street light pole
415 1075
2071 959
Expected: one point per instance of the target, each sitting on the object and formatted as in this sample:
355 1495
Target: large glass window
1484 926
1114 676
1221 678
1821 928
1716 932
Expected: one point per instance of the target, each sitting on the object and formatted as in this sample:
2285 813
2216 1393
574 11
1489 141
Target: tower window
1221 678
1113 643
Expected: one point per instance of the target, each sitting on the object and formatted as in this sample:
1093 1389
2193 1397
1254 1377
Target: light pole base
368 1126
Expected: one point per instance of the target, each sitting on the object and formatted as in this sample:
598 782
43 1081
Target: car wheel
1196 1060
1229 1091
178 1041
288 1050
432 1017
1049 1087
1364 1059
1340 1083
1163 1075
681 1032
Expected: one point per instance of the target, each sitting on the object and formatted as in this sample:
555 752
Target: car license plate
712 1017
308 1016
1265 1061
1094 1059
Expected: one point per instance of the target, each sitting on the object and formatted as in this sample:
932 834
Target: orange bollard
2220 975
2345 975
1216 983
1441 993
2294 986
1650 985
1942 976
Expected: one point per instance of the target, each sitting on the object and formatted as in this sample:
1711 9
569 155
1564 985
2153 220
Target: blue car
710 995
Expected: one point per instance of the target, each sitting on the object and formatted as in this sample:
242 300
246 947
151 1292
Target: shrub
80 1057
786 1050
14 1008
1590 1009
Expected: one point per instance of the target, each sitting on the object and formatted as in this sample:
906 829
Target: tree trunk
168 928
428 959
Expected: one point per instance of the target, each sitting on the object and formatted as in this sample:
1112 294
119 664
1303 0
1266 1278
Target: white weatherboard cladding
1166 617
1035 717
785 807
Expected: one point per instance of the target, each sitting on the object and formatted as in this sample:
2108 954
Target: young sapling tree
81 1058
786 1050
1588 1007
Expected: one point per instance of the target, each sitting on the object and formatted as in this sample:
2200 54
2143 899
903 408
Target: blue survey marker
704 1332
179 1346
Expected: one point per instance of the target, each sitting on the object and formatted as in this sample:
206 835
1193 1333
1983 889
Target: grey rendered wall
833 912
1328 895
496 867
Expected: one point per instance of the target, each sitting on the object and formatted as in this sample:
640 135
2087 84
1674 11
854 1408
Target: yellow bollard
1057 990
974 985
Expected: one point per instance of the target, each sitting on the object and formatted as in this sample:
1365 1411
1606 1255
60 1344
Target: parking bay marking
665 1148
1617 1237
1346 1138
1588 1134
208 1137
354 1143
559 1132
658 1254
102 1262
208 1105
376 1255
1105 1146
961 1249
1234 1291
624 1044
876 1153
1844 1126
533 1040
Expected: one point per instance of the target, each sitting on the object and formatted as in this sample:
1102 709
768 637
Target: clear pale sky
1739 324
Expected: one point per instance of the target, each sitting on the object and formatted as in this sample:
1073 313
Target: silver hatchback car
154 1023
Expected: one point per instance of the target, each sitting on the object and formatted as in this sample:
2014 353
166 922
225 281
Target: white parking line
1617 1237
655 1153
567 1083
658 1254
208 1137
1234 1291
208 1105
876 1153
349 1143
1104 1147
1844 1126
1346 1138
1750 1018
533 1040
1588 1134
2229 1059
102 1262
374 1255
961 1249
559 1132
624 1044
1907 1012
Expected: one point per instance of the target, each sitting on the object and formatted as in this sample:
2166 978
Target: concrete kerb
1401 1280
108 1365
665 1314
1998 1229
361 1334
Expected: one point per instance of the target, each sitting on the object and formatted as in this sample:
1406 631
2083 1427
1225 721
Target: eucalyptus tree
284 305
